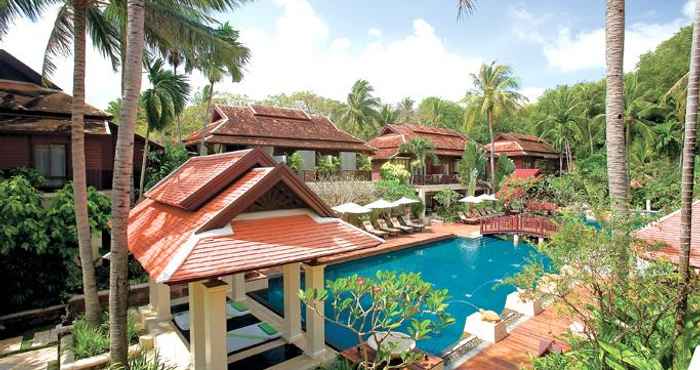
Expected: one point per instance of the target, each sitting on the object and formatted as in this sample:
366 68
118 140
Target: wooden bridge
521 224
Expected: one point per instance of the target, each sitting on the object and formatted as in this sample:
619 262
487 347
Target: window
50 161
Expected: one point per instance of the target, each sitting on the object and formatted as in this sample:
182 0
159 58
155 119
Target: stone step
43 338
10 345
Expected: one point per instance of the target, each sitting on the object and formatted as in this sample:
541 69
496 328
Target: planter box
528 308
68 361
484 330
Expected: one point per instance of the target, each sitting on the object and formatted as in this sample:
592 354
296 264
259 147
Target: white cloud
315 59
586 50
532 93
689 9
27 41
525 25
374 32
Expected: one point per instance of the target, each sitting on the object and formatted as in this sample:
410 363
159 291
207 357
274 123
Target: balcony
434 179
343 175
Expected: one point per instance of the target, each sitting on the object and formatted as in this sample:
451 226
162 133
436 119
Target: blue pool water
469 268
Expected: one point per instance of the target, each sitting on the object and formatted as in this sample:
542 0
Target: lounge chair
407 222
370 229
384 227
426 225
469 219
393 222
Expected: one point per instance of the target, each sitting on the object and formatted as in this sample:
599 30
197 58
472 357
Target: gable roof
514 144
189 226
666 232
13 69
284 127
447 142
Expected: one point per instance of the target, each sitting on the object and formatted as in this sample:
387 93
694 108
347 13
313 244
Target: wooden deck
514 352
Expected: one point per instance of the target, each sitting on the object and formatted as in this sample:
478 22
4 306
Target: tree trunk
491 154
178 121
618 180
87 260
122 184
615 105
203 144
144 160
688 172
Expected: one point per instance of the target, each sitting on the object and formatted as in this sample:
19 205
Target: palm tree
175 58
361 110
215 65
618 177
434 117
405 109
589 97
668 137
688 172
465 6
388 115
422 149
121 185
562 122
494 92
164 101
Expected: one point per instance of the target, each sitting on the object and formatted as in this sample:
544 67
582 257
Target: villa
35 130
449 147
280 132
526 151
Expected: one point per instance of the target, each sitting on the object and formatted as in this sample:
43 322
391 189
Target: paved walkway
32 360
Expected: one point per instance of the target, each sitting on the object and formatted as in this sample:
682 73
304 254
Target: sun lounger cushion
247 336
233 309
267 328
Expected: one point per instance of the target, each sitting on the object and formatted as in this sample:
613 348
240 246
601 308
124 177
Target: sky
404 48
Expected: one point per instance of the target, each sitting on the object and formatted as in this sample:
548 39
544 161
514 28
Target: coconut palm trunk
144 161
87 262
491 152
122 184
203 144
615 106
688 172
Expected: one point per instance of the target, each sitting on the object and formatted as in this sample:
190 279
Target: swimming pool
469 268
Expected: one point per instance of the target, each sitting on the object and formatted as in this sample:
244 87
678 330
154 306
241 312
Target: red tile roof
188 216
525 173
447 142
263 125
513 144
665 232
258 243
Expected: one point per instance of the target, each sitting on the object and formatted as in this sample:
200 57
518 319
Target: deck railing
518 224
343 175
434 179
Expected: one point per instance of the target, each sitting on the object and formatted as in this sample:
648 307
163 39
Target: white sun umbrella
471 199
404 200
488 197
380 204
352 208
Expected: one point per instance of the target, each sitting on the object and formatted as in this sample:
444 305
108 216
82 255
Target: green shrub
91 341
21 216
394 172
145 361
295 161
162 163
31 174
448 204
328 166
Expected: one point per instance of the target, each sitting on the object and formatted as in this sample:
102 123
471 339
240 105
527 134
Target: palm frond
105 37
60 40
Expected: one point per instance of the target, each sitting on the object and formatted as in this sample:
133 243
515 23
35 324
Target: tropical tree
589 96
164 101
422 149
405 109
388 115
361 110
471 165
121 185
688 172
561 124
215 64
494 93
615 105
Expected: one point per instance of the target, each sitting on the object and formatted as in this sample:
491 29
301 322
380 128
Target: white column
422 197
215 324
238 287
315 328
197 326
292 304
159 300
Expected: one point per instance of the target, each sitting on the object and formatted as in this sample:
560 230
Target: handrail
518 224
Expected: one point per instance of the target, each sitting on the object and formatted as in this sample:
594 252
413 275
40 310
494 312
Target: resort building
527 151
280 132
35 129
217 218
449 147
662 237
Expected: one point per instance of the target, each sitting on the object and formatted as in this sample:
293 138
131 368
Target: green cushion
267 328
239 306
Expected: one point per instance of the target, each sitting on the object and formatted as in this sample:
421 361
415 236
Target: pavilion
661 239
219 216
